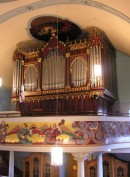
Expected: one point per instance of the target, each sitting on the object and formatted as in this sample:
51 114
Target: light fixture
0 82
97 70
57 156
56 152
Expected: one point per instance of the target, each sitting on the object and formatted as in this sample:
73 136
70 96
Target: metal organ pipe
95 44
18 78
50 72
17 89
17 71
44 75
14 79
79 72
91 68
85 75
56 71
100 81
62 71
94 54
97 63
82 76
53 72
20 73
53 76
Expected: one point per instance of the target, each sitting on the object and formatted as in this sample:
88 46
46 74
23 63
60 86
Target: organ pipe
79 72
14 79
17 77
53 72
95 45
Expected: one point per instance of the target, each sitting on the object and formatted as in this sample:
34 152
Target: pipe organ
66 78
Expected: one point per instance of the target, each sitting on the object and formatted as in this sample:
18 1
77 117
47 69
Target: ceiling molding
43 3
4 1
106 8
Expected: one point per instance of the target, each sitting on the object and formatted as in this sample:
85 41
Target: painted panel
64 133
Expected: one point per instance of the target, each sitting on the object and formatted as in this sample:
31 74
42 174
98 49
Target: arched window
79 72
47 170
27 166
31 78
35 167
120 172
92 171
106 170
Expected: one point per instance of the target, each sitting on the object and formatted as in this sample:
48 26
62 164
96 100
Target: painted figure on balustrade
52 132
3 131
55 132
62 133
24 134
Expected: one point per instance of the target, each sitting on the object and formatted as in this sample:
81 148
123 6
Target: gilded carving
67 55
39 60
22 62
31 54
48 95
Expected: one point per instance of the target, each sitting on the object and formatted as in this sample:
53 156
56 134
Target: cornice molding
44 3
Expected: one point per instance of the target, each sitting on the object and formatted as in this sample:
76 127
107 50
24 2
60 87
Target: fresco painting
62 133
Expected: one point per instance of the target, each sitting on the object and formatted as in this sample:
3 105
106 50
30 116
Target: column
99 165
62 171
11 164
80 157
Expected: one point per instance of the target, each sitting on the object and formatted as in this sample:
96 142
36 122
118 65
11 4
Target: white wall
123 82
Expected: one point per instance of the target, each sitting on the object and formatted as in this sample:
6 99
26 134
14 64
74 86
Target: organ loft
64 71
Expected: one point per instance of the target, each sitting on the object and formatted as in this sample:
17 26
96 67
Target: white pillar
99 166
11 164
62 171
80 169
80 157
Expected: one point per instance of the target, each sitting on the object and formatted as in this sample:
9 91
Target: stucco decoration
43 28
64 133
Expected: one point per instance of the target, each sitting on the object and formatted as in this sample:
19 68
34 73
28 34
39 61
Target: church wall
123 83
5 94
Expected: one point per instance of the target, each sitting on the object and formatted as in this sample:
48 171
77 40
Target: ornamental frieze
65 133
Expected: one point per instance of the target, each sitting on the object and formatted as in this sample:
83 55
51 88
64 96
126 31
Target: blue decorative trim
44 3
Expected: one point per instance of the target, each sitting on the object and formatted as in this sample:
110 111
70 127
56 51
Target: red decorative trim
53 44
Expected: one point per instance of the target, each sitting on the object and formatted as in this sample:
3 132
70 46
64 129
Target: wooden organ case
39 165
71 78
112 167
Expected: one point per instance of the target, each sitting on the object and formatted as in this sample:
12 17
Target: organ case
66 78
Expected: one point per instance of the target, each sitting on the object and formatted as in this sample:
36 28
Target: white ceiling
111 16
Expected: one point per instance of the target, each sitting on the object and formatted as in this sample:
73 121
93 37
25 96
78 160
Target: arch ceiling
111 16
